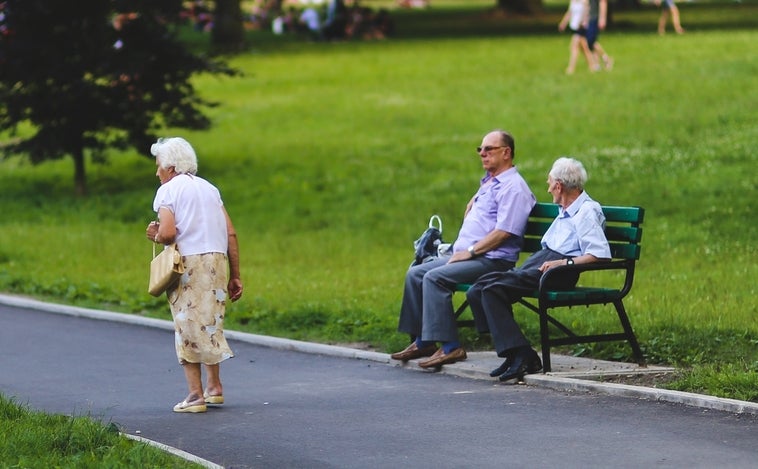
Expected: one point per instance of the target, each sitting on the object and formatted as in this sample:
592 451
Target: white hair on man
569 172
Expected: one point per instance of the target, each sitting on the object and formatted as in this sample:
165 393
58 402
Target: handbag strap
439 222
154 244
164 247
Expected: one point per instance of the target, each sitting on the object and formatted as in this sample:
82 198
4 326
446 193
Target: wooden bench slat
625 251
630 234
624 214
580 294
543 210
531 245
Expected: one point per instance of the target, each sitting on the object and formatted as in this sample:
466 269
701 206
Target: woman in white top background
576 18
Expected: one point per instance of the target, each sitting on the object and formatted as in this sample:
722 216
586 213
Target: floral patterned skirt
198 304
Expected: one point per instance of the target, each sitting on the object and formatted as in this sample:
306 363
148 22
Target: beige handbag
165 270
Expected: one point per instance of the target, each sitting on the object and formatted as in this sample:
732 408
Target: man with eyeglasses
489 239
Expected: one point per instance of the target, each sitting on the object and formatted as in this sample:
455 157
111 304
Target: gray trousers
427 308
491 299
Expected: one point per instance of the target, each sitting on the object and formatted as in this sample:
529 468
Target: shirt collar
575 205
499 177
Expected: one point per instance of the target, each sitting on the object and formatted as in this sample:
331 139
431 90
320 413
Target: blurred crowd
318 20
199 13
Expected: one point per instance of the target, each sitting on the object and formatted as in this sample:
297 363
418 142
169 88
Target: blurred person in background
668 8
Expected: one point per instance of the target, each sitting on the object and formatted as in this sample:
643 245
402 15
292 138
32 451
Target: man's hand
550 264
460 256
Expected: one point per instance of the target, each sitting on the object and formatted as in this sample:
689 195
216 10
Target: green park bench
624 233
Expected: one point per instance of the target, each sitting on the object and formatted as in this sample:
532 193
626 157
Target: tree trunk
526 7
228 31
80 175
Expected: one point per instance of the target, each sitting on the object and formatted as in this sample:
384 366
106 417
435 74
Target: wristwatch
570 261
472 251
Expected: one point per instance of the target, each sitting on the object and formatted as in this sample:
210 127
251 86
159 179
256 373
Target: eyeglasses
487 149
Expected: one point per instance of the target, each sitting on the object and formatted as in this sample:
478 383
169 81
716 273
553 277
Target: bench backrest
622 228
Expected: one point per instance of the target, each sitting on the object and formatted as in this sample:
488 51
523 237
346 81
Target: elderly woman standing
191 214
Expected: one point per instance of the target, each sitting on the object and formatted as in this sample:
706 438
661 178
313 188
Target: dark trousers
491 299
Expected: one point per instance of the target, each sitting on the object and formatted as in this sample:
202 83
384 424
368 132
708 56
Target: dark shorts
592 32
579 32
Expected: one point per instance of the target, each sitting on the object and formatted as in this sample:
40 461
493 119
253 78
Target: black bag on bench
426 246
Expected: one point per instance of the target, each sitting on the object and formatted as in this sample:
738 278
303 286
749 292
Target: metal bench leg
544 340
458 312
461 309
551 319
629 332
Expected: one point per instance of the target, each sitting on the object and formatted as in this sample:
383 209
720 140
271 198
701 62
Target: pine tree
80 77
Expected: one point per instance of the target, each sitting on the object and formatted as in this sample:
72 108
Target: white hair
569 172
176 152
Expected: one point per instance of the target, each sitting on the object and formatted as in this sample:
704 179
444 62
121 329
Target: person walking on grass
576 18
489 239
668 8
192 215
596 22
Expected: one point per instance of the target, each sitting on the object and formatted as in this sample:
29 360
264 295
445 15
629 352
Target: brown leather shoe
412 351
441 358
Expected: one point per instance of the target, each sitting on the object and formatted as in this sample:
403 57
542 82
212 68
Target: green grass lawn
30 439
332 157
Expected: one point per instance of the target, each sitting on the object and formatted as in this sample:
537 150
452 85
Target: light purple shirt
503 202
579 230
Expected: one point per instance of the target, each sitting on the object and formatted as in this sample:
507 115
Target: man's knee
497 290
436 275
415 274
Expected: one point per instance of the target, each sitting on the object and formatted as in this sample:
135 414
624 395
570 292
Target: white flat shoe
216 400
192 407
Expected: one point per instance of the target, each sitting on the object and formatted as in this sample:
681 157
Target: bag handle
439 222
164 247
154 244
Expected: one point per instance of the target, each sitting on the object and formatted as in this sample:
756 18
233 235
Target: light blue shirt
579 230
502 202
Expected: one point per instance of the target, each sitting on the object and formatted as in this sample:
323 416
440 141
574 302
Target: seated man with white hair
576 236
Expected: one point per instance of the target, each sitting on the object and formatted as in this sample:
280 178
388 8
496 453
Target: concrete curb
175 451
640 392
551 380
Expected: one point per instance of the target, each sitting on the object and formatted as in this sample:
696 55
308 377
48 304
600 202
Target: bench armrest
624 264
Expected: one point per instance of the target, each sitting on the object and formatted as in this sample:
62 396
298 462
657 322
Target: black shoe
501 369
525 361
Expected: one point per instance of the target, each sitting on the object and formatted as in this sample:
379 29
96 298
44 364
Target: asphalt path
288 409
